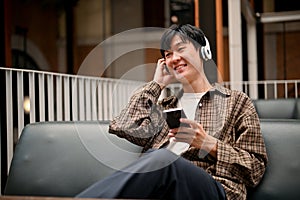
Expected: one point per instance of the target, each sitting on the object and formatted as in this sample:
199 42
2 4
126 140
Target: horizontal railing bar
69 75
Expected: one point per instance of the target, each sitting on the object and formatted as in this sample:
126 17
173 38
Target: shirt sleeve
244 159
141 119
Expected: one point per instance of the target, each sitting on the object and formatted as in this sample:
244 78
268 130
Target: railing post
275 90
81 99
3 132
87 94
74 99
50 97
59 113
66 99
285 90
110 100
42 114
20 99
100 100
265 91
32 96
94 100
105 100
9 117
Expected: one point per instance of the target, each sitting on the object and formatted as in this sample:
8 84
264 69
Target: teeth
179 66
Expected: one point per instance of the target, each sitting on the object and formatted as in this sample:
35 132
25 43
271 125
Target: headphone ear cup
205 51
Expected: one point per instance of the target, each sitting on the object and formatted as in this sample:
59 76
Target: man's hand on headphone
162 75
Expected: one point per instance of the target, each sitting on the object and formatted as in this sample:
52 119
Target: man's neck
197 86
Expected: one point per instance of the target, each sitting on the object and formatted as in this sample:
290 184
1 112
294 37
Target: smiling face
184 60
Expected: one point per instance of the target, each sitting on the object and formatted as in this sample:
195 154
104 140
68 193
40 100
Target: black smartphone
172 117
167 69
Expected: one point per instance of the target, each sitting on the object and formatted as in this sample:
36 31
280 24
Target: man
217 156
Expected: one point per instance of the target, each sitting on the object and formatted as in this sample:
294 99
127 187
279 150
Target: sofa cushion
63 158
297 114
275 108
282 176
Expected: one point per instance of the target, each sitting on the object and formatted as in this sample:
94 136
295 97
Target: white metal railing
59 97
268 89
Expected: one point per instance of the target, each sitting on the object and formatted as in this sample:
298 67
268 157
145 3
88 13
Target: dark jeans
159 174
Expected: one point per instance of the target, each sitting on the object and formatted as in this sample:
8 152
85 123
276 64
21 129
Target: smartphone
173 116
167 69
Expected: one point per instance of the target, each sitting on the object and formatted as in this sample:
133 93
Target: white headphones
205 50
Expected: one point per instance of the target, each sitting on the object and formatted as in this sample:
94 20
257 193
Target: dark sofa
63 158
278 108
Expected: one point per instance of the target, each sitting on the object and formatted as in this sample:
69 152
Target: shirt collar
221 89
171 101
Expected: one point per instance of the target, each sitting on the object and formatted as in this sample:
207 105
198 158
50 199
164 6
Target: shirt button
200 104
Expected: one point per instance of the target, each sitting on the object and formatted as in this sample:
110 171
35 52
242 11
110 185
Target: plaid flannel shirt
225 114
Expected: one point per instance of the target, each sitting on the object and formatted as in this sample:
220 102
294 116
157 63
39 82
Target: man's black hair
185 32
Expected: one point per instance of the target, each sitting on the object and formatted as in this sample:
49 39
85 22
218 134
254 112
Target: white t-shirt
189 103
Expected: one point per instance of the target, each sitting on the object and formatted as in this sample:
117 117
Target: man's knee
162 156
157 159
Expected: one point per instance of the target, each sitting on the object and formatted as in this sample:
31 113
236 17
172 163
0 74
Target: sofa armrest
282 177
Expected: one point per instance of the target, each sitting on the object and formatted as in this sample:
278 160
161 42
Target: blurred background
57 35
